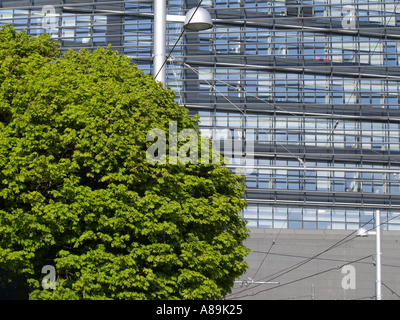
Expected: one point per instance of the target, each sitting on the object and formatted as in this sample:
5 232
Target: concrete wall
294 246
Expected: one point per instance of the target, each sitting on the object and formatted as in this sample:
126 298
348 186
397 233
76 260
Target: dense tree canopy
77 193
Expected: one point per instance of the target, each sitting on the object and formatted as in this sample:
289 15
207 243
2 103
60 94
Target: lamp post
196 19
160 25
362 232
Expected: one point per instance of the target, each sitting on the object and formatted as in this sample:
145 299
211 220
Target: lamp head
201 20
362 232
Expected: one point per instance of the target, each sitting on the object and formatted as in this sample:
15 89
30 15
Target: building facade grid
288 74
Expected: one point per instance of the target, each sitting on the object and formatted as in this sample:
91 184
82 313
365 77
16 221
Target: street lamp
196 19
362 232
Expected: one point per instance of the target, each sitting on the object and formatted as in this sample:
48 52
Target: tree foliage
76 191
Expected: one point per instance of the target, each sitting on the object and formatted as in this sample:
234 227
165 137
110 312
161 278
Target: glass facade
320 95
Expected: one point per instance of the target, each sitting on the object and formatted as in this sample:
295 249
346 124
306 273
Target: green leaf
77 191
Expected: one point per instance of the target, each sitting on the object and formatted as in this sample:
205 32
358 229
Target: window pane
280 213
338 226
251 212
252 224
265 212
265 224
324 215
324 225
352 215
295 213
280 224
338 214
309 214
310 225
295 225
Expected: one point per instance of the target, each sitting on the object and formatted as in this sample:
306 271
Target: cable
304 278
391 290
262 129
329 137
332 132
339 243
246 93
273 243
196 71
299 264
269 103
393 237
300 297
323 259
310 276
392 218
176 81
289 152
180 36
361 298
370 55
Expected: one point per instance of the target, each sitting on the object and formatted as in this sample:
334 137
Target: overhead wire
339 243
241 111
360 298
332 132
213 86
176 78
393 292
287 150
299 297
291 268
300 160
262 129
298 265
296 256
179 38
301 279
196 71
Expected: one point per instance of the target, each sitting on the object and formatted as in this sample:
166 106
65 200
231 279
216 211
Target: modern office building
315 82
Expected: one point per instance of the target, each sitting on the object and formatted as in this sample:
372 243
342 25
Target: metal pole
160 26
312 292
378 256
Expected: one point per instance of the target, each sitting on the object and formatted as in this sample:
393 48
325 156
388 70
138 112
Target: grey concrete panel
289 263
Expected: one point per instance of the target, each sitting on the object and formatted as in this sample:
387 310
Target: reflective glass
319 101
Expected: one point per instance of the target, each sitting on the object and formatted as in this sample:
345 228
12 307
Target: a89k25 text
208 309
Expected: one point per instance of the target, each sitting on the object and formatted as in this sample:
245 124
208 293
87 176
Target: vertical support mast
160 26
378 256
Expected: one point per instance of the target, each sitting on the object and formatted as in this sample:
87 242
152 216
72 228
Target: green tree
76 191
